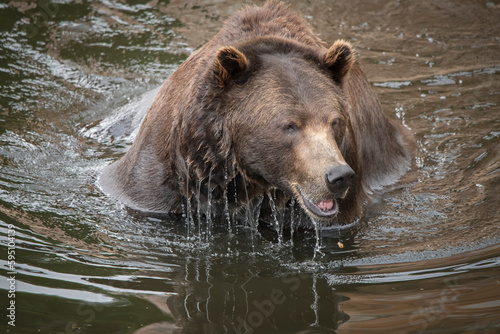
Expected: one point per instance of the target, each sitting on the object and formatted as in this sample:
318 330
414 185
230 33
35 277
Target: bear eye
338 127
291 127
335 123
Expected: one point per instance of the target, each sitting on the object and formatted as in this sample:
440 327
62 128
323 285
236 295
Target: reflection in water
425 258
215 299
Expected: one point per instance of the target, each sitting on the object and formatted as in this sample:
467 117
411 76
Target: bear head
275 110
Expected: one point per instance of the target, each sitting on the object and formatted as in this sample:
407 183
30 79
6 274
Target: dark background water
426 258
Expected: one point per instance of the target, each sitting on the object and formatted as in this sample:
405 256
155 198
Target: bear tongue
325 205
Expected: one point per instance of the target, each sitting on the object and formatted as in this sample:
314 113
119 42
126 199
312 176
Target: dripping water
248 215
317 247
226 205
256 211
235 192
198 209
233 212
249 219
208 213
226 201
189 213
277 225
292 219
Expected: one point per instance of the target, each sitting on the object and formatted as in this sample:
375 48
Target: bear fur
266 109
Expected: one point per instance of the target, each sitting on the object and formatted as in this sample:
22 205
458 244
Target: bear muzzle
339 179
323 204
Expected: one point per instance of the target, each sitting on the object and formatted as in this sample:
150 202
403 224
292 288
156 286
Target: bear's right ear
339 59
228 64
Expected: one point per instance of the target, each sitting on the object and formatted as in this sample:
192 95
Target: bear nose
339 178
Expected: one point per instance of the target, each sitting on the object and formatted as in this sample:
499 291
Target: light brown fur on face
316 153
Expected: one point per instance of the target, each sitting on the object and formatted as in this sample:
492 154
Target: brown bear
263 110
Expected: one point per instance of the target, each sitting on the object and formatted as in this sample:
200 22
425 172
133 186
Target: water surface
426 258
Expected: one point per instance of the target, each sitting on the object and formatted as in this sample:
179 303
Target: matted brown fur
264 107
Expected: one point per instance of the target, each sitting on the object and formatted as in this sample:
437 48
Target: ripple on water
426 256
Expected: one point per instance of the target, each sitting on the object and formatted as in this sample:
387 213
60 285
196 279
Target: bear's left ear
339 59
229 63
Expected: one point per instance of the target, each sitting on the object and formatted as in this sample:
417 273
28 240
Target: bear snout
338 179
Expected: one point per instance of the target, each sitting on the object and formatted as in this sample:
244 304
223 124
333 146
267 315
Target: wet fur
186 144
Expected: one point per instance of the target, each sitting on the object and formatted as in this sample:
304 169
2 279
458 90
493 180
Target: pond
425 258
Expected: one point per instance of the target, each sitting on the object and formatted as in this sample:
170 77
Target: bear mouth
327 208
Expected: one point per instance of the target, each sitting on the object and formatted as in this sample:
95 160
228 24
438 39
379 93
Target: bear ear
228 64
339 59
